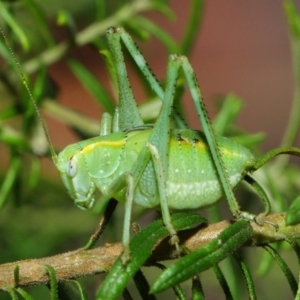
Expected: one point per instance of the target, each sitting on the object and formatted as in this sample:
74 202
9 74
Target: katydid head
73 171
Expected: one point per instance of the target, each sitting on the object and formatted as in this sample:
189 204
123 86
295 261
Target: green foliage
293 213
231 239
37 218
141 246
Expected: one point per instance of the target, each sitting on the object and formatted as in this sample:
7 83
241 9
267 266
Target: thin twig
85 36
80 263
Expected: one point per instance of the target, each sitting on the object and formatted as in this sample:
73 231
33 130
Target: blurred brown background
243 47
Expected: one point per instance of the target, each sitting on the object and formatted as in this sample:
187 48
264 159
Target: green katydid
156 166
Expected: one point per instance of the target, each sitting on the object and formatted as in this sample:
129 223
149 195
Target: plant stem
80 263
85 36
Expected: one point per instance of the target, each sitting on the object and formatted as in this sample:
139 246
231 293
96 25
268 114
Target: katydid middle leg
156 150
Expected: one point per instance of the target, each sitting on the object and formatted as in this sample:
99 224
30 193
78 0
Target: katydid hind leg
143 66
210 135
129 115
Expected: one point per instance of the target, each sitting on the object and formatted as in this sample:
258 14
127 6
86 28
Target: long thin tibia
210 135
269 155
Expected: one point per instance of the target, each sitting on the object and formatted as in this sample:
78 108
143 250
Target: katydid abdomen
192 180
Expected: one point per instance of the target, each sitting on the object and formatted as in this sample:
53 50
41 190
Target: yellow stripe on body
115 144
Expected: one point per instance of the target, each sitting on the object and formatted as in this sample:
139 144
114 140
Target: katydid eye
71 168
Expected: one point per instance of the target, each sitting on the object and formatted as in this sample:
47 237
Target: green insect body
153 166
192 180
156 166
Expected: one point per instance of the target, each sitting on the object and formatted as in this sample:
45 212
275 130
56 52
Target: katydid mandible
156 166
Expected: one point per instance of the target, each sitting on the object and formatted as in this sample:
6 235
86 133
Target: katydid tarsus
156 166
